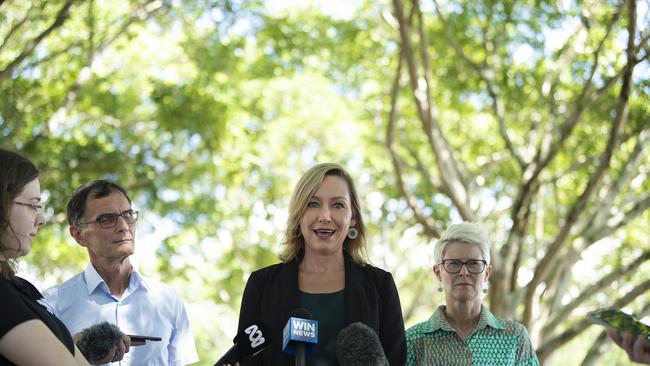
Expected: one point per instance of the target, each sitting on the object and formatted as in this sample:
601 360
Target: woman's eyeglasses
474 266
109 220
38 208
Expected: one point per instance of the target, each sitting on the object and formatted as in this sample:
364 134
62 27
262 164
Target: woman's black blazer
370 294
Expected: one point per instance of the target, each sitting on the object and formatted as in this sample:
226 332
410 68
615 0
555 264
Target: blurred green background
532 117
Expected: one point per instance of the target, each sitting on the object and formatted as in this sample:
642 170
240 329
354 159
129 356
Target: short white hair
466 232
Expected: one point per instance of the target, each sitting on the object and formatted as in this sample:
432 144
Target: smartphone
618 320
141 338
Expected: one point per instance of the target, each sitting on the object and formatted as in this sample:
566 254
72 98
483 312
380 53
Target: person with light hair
464 331
323 269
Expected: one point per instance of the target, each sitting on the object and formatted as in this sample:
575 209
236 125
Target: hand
637 349
117 352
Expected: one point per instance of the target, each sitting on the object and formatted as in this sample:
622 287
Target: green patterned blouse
494 342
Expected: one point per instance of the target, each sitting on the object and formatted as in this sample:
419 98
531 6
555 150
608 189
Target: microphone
300 334
358 345
97 340
248 343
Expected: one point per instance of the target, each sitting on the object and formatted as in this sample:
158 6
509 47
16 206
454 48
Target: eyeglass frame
134 213
38 208
464 263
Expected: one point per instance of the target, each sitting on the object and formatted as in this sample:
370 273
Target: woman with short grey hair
465 232
464 331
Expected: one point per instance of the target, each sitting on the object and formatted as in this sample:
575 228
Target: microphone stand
300 354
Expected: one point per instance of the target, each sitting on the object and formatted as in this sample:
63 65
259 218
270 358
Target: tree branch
487 74
422 169
594 234
596 55
553 343
448 166
16 26
597 223
546 152
589 238
420 289
595 350
142 12
541 271
429 228
585 99
593 289
61 17
52 55
459 166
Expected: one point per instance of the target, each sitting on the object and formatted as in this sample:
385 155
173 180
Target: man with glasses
464 331
102 220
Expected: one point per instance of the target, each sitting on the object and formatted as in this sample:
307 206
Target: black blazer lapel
355 302
288 286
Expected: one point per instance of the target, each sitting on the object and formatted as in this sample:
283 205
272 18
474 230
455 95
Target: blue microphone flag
299 330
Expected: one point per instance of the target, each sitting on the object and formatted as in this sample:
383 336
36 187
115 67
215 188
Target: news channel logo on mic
298 330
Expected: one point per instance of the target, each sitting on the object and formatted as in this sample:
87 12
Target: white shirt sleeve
182 350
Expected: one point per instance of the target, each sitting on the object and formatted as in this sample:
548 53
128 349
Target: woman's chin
23 252
465 296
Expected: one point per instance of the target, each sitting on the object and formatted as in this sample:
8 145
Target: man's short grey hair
467 232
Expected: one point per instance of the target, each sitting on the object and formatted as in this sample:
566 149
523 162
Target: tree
209 111
565 185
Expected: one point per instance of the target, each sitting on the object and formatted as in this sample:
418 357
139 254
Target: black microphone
300 334
358 345
248 343
97 340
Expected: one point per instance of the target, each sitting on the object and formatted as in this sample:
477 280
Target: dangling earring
440 289
485 289
353 233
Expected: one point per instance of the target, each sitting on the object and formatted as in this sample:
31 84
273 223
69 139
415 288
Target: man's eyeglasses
474 266
109 220
38 208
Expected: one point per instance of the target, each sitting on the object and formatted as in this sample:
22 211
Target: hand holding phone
637 349
620 321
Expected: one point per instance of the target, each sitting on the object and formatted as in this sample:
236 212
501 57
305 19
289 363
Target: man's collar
94 280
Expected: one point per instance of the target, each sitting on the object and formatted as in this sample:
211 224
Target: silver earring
353 233
485 289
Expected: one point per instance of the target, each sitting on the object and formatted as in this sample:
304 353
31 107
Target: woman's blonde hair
293 242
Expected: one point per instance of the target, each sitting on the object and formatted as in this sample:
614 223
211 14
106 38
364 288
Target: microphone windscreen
358 345
252 340
249 342
97 340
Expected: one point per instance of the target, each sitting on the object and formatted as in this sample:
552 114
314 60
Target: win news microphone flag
248 343
300 334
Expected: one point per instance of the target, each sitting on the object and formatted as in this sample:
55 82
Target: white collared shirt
147 307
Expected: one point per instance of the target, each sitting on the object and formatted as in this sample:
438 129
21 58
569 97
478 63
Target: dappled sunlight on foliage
210 111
